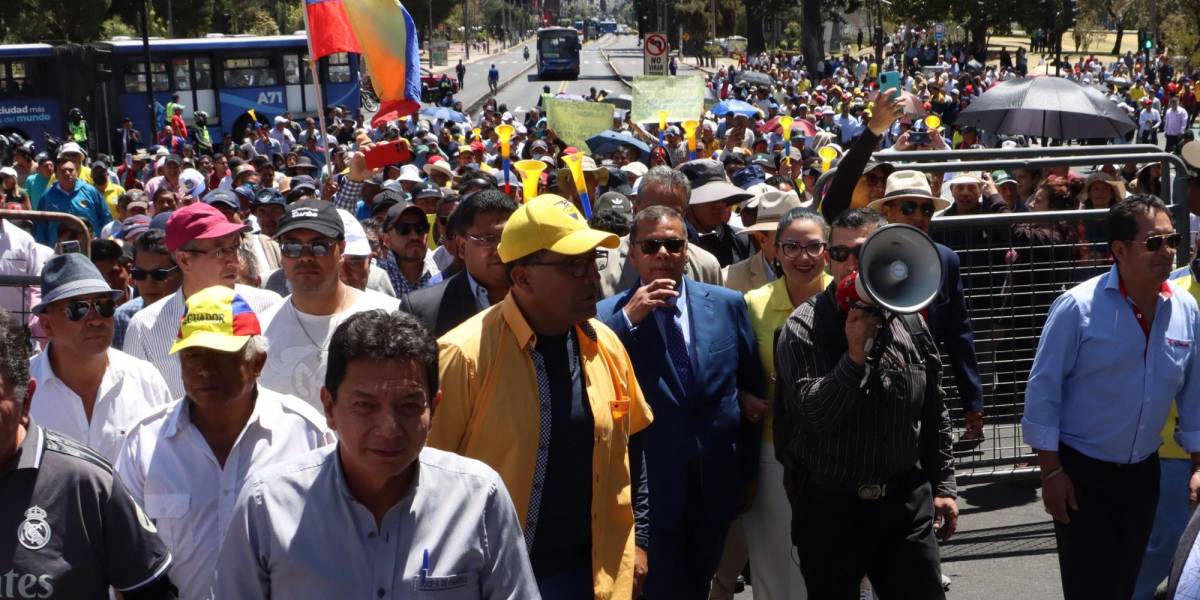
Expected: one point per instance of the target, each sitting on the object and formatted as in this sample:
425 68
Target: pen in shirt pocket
425 566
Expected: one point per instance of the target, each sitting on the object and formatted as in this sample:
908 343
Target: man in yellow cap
187 462
545 394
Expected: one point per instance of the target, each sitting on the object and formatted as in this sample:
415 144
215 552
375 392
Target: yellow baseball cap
216 318
550 222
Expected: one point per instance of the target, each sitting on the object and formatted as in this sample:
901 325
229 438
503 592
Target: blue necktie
677 348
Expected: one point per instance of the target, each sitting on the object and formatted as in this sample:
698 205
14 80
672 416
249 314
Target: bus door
339 75
133 94
301 93
192 79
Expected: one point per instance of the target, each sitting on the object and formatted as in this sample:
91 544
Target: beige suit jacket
748 274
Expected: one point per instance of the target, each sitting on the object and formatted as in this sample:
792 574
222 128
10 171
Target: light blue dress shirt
1100 386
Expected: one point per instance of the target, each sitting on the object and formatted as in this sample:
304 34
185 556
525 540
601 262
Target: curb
625 80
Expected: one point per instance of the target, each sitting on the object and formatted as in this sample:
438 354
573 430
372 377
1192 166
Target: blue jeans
1170 519
569 584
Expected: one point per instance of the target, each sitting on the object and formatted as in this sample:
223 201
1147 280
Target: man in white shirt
1175 122
378 515
19 255
282 134
85 389
311 239
205 246
186 462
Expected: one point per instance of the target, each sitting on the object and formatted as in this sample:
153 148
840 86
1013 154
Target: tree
52 20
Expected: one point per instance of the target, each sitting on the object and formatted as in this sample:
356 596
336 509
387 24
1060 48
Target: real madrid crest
34 531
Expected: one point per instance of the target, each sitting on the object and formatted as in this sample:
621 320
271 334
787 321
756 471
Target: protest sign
574 121
682 97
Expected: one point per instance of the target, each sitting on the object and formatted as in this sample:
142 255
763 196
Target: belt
864 491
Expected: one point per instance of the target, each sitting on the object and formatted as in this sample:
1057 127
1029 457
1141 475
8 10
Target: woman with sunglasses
801 240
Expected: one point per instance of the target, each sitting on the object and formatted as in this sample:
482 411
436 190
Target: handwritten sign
682 97
575 121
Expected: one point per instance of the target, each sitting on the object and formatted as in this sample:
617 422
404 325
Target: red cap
198 221
433 159
477 146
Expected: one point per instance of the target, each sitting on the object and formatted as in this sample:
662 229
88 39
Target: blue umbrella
443 114
737 107
610 141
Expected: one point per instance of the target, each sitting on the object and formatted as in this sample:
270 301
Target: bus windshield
564 44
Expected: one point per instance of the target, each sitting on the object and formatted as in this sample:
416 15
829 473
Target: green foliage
256 21
26 21
115 26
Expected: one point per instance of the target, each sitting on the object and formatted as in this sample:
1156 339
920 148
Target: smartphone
918 138
69 247
390 153
889 80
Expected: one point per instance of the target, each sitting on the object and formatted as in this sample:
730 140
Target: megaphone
899 271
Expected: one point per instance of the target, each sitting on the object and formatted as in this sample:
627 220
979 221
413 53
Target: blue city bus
607 26
29 99
227 76
558 52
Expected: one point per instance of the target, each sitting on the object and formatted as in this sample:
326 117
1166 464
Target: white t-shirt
299 343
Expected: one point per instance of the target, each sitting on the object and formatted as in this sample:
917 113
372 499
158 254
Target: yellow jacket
769 308
489 411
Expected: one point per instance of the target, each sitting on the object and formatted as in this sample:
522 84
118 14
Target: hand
1194 489
886 111
358 162
861 326
989 186
945 517
641 566
656 294
936 141
902 142
1058 496
753 407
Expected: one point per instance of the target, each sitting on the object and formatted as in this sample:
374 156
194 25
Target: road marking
562 87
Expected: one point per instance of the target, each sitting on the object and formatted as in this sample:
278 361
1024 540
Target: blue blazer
951 327
706 427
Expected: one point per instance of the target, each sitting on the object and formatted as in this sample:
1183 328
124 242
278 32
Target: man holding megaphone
860 421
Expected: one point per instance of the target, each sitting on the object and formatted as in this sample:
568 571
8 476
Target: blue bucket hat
70 276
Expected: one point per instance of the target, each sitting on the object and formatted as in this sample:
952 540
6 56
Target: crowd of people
262 368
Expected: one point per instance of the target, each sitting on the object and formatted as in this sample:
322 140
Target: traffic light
1145 40
1068 16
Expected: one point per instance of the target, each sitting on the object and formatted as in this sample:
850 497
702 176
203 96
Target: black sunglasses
317 248
1155 242
843 253
908 207
140 274
78 309
407 228
650 247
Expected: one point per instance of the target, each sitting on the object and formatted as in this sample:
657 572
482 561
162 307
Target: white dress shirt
298 532
152 331
19 255
169 468
299 343
131 389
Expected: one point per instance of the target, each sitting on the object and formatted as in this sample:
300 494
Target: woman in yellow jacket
801 243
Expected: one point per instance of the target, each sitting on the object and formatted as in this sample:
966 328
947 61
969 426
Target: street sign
939 32
655 54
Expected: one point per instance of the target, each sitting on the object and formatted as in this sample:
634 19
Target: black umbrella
754 78
1045 106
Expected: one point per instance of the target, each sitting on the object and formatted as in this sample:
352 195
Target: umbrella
754 78
607 142
974 66
805 127
624 101
443 114
735 106
1053 107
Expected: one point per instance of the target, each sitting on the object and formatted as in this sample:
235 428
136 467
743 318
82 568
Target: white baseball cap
356 237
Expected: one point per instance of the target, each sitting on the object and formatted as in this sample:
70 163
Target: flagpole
312 65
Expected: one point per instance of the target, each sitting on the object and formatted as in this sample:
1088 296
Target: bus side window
203 68
338 68
179 73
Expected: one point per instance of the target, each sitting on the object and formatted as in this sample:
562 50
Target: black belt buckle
872 492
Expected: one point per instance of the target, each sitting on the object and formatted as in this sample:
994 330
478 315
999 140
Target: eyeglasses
217 253
78 309
317 248
487 241
1155 243
407 228
795 249
578 267
140 274
651 247
843 253
908 207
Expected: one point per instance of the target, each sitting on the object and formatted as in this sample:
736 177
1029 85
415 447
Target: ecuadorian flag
387 36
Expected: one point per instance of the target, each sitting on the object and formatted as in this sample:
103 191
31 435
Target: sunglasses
139 274
908 207
78 309
651 247
317 248
407 228
1155 243
793 250
843 253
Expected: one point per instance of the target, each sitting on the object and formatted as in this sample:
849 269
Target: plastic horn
786 123
662 124
531 174
689 129
575 164
477 133
505 133
933 122
827 155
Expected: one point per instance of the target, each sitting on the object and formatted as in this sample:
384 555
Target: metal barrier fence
1013 267
15 288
